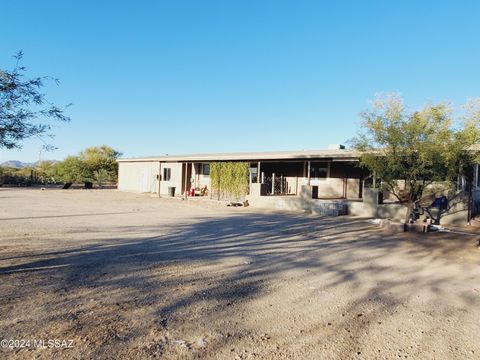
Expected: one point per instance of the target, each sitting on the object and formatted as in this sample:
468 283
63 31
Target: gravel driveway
111 275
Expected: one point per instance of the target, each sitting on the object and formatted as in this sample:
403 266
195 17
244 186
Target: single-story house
317 180
333 171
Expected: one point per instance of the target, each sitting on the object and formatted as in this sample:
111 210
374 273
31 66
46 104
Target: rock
201 343
264 337
392 226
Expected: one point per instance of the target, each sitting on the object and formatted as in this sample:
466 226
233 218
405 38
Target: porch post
258 173
308 172
159 177
273 183
185 181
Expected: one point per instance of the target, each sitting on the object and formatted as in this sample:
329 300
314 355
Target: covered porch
316 178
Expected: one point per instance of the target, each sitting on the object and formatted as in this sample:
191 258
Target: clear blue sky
156 77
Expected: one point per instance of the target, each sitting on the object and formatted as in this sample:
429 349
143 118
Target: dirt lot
131 276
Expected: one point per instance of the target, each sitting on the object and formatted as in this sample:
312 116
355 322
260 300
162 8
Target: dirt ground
112 275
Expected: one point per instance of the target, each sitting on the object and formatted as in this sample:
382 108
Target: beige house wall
334 188
176 179
143 177
329 187
353 188
292 184
138 176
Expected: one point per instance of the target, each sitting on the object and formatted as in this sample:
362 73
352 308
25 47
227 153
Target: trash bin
171 191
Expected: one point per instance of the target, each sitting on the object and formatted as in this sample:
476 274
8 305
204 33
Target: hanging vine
229 180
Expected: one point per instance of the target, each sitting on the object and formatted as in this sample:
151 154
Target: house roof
336 154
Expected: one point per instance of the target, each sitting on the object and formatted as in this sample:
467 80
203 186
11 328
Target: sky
179 77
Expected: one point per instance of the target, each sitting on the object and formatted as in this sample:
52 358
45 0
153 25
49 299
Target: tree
94 163
24 109
99 158
421 147
72 169
47 172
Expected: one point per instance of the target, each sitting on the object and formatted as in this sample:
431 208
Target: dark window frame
206 166
167 174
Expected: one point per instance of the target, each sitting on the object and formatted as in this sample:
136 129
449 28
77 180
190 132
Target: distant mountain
14 164
19 164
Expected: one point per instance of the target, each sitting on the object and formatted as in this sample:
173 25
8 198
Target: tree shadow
148 291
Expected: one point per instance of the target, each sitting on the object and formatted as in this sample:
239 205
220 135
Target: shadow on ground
138 295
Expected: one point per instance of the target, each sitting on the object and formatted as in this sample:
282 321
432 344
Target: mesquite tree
419 147
24 109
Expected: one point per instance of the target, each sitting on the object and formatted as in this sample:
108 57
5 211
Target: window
318 170
206 169
167 174
254 174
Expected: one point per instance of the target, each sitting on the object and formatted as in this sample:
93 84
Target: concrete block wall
304 202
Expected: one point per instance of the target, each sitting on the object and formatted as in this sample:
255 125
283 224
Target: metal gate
276 185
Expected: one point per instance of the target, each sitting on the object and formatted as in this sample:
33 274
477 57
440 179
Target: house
322 181
333 172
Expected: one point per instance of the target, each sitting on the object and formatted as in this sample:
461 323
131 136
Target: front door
187 177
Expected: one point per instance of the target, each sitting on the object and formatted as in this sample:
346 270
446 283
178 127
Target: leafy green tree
24 109
94 163
420 147
73 169
99 158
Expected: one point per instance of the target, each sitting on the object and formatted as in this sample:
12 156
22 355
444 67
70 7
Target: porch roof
336 154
